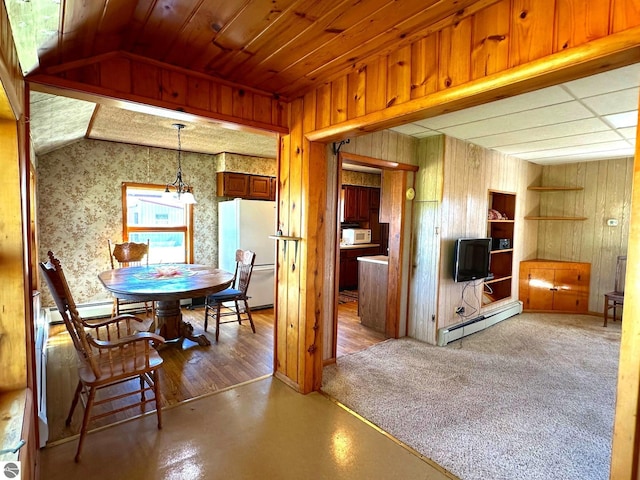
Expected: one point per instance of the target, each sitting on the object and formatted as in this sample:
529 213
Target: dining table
166 285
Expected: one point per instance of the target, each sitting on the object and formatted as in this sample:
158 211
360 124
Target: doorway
367 306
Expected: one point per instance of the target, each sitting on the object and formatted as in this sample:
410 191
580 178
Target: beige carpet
529 398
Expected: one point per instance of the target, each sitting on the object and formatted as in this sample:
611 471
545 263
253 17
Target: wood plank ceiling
278 46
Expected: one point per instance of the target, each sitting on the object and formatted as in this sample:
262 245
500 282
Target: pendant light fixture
183 193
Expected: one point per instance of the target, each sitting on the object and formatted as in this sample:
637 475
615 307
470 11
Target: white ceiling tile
614 102
593 156
578 150
622 120
628 132
584 141
563 112
587 125
619 79
409 129
519 103
426 133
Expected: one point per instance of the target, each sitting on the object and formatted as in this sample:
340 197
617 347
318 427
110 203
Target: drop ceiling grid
589 118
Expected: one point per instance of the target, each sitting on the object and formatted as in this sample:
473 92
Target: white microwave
353 236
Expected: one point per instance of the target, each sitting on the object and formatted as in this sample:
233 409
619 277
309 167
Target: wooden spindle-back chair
236 293
110 352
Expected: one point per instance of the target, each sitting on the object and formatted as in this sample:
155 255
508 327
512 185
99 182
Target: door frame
396 212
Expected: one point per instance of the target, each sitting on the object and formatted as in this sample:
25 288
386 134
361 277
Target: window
167 224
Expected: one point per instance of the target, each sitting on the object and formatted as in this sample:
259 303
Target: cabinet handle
554 289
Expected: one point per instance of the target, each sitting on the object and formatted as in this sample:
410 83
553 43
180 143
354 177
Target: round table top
165 282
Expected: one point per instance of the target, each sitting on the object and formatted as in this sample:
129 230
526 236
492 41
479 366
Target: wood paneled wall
469 173
606 194
124 76
15 312
13 321
12 88
425 246
384 145
302 177
455 67
443 69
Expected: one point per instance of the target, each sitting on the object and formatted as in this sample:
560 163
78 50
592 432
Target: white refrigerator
246 225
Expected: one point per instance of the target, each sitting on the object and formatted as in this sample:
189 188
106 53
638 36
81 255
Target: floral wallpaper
233 162
80 206
362 179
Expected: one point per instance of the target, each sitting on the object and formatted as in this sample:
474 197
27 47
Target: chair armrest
120 326
108 321
119 342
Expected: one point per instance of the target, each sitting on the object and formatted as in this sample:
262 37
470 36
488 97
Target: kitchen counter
382 259
358 245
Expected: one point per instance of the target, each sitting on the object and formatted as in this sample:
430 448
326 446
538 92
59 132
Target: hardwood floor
352 335
239 356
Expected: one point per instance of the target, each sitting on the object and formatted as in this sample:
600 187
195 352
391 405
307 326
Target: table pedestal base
173 328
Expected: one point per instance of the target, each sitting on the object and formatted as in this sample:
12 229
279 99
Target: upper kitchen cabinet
356 203
260 187
242 185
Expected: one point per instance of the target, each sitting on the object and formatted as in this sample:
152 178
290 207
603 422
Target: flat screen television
471 259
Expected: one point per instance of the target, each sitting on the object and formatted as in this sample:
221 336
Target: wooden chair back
621 272
59 287
244 268
128 254
59 290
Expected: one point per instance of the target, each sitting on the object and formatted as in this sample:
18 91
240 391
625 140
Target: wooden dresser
554 286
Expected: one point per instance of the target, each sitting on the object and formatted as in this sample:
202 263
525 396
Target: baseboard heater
459 330
103 309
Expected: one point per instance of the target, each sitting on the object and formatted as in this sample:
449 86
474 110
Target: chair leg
142 397
156 391
248 310
217 320
238 312
85 421
206 315
74 402
153 315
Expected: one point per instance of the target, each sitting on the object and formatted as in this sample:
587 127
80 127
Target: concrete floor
260 430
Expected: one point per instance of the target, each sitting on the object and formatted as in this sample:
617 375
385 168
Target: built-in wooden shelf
499 279
554 217
500 287
286 238
554 189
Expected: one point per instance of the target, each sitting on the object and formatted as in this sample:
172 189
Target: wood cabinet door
565 296
233 184
348 272
541 283
350 204
363 194
259 187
